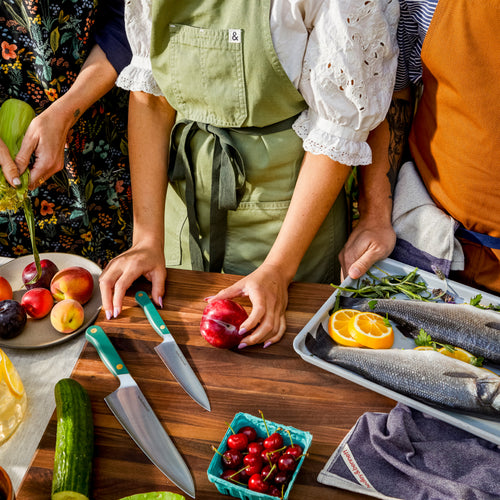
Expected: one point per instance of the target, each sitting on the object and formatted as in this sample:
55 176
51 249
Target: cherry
255 447
250 432
231 475
232 459
256 483
270 456
281 478
268 472
274 491
274 441
287 463
253 460
295 450
237 441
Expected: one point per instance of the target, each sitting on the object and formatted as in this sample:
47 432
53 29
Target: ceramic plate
39 332
482 427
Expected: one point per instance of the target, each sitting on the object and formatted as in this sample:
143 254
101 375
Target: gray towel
408 455
425 234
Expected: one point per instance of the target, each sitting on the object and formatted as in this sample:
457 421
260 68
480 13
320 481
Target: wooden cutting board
275 380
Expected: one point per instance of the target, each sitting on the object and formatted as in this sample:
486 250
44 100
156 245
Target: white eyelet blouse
340 54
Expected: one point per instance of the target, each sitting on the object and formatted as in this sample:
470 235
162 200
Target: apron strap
483 239
228 183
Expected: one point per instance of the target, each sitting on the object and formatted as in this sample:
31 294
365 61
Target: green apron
234 156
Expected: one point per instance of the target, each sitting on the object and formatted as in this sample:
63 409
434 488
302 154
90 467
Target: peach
5 289
37 302
72 283
67 315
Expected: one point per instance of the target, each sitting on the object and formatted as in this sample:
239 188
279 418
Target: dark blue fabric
409 455
110 33
483 239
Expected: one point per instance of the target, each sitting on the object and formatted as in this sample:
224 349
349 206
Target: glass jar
12 398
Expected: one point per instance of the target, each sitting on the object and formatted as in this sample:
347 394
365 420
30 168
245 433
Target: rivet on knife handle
152 314
96 336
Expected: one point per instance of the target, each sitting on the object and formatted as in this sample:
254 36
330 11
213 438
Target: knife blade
136 416
171 355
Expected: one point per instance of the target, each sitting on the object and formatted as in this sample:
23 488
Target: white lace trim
321 142
135 78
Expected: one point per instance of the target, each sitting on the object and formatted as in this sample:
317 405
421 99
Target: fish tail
320 344
354 303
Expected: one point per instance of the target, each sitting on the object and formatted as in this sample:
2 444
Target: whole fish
428 376
462 325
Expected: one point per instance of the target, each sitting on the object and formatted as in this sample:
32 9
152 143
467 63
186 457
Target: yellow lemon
371 330
12 378
338 327
458 353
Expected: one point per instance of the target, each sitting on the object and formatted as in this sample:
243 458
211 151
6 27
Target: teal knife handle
152 314
96 336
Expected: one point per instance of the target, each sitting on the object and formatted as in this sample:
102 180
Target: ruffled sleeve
138 75
347 77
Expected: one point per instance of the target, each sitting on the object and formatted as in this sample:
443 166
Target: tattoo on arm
399 119
76 114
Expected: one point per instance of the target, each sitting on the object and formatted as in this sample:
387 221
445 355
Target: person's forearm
150 123
96 77
388 143
318 185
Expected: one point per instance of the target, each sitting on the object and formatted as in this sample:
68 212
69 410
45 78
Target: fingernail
242 345
109 314
242 331
267 344
116 312
160 301
208 298
16 181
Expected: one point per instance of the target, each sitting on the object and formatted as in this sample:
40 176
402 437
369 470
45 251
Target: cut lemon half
7 371
458 353
371 330
338 327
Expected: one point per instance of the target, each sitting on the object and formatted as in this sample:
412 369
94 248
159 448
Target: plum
12 319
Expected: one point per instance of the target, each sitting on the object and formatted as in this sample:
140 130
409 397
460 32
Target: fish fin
460 375
320 343
353 303
494 325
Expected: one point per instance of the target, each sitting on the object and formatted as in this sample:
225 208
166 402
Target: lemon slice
371 330
458 353
7 370
338 327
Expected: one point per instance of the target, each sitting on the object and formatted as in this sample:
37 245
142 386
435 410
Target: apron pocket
197 57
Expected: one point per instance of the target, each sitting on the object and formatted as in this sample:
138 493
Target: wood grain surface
275 380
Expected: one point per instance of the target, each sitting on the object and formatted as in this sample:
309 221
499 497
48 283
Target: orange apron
455 136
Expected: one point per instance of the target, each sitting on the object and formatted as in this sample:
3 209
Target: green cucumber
74 442
155 495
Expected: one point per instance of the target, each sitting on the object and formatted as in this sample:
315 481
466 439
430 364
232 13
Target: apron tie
228 183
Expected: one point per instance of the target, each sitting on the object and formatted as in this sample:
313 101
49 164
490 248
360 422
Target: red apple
220 323
49 269
5 289
67 316
37 302
72 283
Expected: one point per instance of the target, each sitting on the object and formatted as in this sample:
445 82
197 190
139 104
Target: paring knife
134 413
171 354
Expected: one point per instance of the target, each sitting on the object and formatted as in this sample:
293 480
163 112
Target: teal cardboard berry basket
216 468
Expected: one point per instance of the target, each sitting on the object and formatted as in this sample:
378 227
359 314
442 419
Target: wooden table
275 380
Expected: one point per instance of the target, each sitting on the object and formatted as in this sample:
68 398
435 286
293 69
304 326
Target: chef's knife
134 413
171 355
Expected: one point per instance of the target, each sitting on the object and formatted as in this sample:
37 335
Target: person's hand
268 292
140 260
9 167
46 138
368 243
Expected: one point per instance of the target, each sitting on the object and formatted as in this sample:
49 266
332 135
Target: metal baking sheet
482 427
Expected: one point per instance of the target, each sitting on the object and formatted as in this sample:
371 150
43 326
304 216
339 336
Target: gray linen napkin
408 455
425 234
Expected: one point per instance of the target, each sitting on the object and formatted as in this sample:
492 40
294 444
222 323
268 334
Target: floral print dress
84 209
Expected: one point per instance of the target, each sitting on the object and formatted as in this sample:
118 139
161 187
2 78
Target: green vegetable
155 495
15 117
74 442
